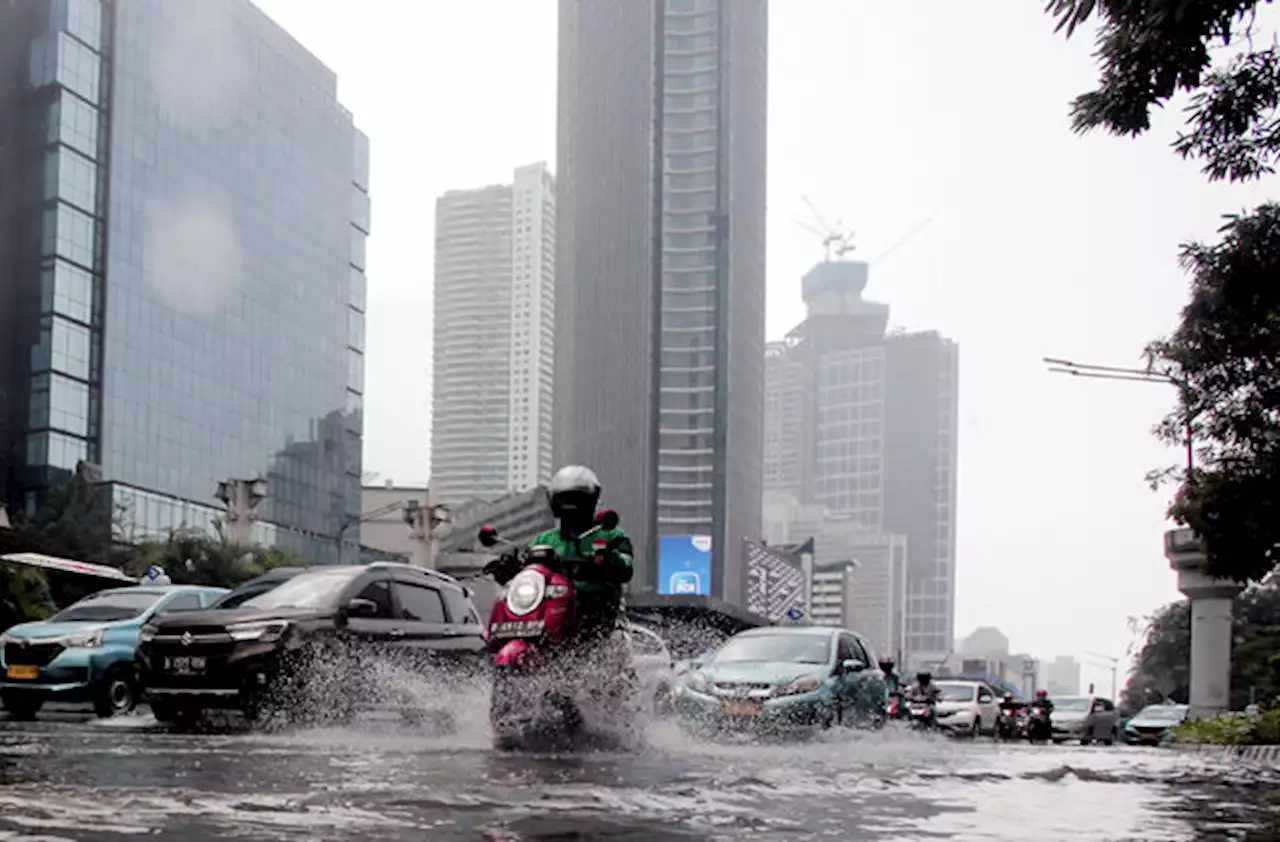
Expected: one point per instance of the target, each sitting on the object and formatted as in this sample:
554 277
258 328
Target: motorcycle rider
924 690
891 677
1042 701
599 564
1010 702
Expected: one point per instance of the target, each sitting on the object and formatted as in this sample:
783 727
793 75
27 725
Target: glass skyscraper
183 214
660 287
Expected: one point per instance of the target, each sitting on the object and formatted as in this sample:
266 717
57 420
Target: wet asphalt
69 776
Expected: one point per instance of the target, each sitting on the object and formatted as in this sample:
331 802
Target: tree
191 557
1162 668
75 519
1226 351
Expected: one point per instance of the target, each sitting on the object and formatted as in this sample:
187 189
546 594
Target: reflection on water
391 778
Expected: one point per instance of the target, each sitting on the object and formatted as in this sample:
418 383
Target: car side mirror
359 607
985 698
852 665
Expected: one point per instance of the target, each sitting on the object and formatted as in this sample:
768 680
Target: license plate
517 628
742 707
24 672
185 665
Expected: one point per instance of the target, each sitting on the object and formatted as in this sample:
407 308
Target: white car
967 708
1085 718
652 662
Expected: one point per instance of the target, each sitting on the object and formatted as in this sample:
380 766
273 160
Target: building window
355 329
59 58
357 256
358 289
59 403
74 122
66 290
72 178
355 371
63 347
56 450
68 233
81 18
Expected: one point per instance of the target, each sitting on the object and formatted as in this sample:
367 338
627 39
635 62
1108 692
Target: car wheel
1111 740
22 706
116 692
180 716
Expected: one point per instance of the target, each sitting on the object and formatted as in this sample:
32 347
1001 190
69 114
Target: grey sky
884 114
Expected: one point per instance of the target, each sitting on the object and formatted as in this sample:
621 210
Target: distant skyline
1042 243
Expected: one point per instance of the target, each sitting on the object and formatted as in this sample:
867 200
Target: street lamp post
1114 663
1136 375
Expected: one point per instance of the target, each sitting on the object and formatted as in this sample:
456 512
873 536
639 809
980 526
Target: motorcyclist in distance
599 564
891 677
923 689
1042 700
1010 702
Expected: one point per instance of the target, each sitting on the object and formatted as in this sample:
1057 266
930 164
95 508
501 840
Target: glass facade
193 309
660 297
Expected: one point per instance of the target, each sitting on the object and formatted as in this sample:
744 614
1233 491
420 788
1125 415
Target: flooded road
72 778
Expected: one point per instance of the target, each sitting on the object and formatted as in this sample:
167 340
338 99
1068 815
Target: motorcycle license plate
742 707
23 672
517 628
185 665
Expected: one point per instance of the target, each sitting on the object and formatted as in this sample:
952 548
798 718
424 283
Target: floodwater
69 777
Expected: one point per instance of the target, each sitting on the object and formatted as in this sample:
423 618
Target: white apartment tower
493 363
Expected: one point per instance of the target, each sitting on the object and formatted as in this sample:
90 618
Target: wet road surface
68 777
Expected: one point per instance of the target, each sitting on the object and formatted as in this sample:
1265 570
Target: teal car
85 653
784 679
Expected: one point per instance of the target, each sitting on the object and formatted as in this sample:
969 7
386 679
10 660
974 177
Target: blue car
85 653
779 679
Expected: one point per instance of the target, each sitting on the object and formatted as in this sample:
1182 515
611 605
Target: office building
493 340
857 578
862 423
183 213
660 287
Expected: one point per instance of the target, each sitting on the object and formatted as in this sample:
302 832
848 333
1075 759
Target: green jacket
579 558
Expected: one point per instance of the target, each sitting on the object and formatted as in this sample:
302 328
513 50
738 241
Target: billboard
774 584
684 564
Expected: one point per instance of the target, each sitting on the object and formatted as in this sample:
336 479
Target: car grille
733 688
206 643
31 654
1150 731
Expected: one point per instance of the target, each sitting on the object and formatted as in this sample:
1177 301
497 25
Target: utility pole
1114 663
1138 375
423 522
241 497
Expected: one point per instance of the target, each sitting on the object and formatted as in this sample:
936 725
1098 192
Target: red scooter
540 685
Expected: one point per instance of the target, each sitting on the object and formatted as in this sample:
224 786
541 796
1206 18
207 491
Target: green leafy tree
191 557
1226 351
1162 668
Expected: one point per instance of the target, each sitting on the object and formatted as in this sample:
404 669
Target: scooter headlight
526 592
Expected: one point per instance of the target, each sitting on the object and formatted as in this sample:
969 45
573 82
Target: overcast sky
885 114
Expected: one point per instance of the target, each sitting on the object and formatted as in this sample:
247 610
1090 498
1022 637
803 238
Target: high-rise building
863 424
660 290
183 213
493 361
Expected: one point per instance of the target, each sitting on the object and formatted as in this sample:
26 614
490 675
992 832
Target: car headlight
84 640
525 592
803 684
147 634
264 632
697 681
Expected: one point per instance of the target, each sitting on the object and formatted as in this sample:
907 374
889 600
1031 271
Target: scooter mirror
488 536
607 519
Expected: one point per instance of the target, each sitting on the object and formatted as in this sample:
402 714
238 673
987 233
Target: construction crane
834 238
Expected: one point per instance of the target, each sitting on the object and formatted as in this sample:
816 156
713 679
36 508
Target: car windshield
307 590
1078 704
247 592
956 692
788 648
1171 712
108 607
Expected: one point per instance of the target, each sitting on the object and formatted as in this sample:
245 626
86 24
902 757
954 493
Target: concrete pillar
1211 623
241 498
